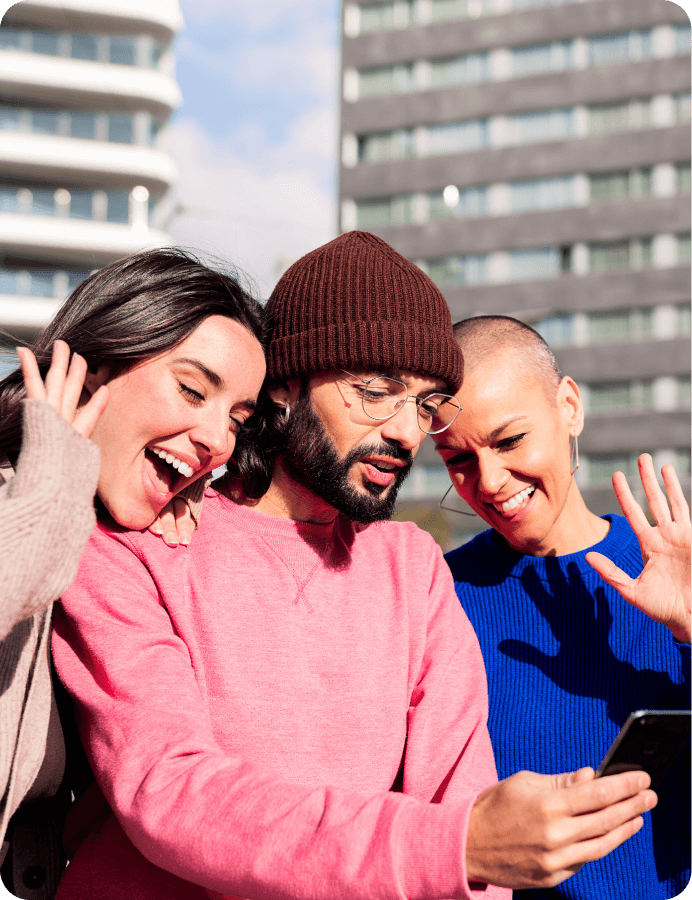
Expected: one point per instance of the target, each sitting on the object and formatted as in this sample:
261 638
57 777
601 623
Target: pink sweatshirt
247 702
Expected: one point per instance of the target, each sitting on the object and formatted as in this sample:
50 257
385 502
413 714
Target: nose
214 433
491 474
403 427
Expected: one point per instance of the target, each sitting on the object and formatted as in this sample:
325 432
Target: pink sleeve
210 818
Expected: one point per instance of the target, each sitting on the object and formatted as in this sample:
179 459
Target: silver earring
451 509
573 453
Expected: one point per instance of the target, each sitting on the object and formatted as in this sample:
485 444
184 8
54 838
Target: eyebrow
490 437
211 376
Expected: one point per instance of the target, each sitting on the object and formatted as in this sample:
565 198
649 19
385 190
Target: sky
255 137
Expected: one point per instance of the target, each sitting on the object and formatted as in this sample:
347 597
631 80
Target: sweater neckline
257 522
515 564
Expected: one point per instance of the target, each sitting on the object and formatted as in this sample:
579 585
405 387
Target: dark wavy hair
128 312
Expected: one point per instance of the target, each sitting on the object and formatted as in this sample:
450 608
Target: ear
94 378
570 406
284 393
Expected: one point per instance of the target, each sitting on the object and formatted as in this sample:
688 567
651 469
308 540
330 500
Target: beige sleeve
46 513
193 495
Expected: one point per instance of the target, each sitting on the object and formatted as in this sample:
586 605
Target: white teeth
178 464
516 500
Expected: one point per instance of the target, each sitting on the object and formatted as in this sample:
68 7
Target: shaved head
483 337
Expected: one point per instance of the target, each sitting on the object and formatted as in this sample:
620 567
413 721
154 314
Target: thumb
570 779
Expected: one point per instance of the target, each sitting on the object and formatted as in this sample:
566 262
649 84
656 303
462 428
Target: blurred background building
533 156
85 87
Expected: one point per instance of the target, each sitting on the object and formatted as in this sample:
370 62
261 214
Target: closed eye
461 459
510 442
192 395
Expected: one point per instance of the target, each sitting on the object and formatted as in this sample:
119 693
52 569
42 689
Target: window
470 201
444 10
615 185
9 119
84 46
382 16
525 4
546 125
682 38
9 281
610 48
540 58
8 200
542 193
37 282
682 177
118 209
611 396
457 137
47 42
120 129
459 70
386 80
122 51
682 107
83 125
682 319
619 116
682 466
683 248
600 466
117 49
44 121
9 38
541 262
41 283
81 205
683 395
454 271
385 146
614 326
556 330
608 255
384 212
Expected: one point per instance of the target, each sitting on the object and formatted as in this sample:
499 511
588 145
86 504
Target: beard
311 459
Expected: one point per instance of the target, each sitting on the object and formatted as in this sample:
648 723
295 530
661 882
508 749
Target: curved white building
85 87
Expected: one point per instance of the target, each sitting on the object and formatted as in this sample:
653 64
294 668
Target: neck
576 529
290 500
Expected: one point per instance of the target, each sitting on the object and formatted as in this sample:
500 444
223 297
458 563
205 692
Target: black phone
650 740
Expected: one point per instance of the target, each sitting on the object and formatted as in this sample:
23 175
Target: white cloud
254 213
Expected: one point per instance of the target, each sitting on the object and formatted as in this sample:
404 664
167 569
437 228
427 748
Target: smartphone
650 740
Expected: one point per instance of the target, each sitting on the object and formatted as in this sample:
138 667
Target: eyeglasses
383 397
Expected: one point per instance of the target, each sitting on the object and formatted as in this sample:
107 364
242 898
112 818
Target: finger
602 793
654 495
184 523
678 501
72 390
164 525
611 574
55 378
35 389
88 415
629 506
596 848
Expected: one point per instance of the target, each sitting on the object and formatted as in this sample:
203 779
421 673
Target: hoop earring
573 453
450 509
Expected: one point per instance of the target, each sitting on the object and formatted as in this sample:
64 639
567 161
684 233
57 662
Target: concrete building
85 87
534 158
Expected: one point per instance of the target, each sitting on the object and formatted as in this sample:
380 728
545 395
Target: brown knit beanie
356 303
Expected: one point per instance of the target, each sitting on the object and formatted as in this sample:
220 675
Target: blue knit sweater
567 661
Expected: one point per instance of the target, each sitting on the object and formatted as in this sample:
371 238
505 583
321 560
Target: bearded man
327 738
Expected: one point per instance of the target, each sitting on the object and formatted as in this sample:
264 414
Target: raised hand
63 387
534 830
662 591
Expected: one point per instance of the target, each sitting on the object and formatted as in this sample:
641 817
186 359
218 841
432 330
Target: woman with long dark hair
178 350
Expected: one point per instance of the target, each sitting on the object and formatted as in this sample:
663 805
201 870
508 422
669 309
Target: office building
534 158
85 87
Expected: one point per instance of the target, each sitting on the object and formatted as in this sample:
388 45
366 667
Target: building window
556 330
542 193
683 248
540 262
444 10
454 271
682 107
76 204
682 390
386 145
599 467
606 117
618 325
459 70
383 16
383 213
609 255
612 396
39 282
525 4
682 316
611 48
616 185
546 125
121 50
457 137
458 202
386 80
682 177
541 58
114 127
682 38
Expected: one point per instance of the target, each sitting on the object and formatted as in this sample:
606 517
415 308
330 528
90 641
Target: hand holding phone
649 740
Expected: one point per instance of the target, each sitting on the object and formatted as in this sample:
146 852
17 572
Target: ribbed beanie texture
356 303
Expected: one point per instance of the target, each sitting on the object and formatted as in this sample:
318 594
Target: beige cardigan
46 517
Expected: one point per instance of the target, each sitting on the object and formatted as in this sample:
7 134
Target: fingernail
171 538
185 538
156 529
651 801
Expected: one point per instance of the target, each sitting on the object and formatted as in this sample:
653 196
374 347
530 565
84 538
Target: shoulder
471 556
398 537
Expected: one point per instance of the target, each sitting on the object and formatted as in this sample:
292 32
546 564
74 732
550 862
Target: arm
662 590
211 818
47 507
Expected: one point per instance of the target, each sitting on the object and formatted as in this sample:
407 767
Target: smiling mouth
167 476
509 507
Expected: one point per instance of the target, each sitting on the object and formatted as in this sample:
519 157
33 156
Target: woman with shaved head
578 624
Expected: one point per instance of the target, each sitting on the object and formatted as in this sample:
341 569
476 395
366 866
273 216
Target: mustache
384 448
